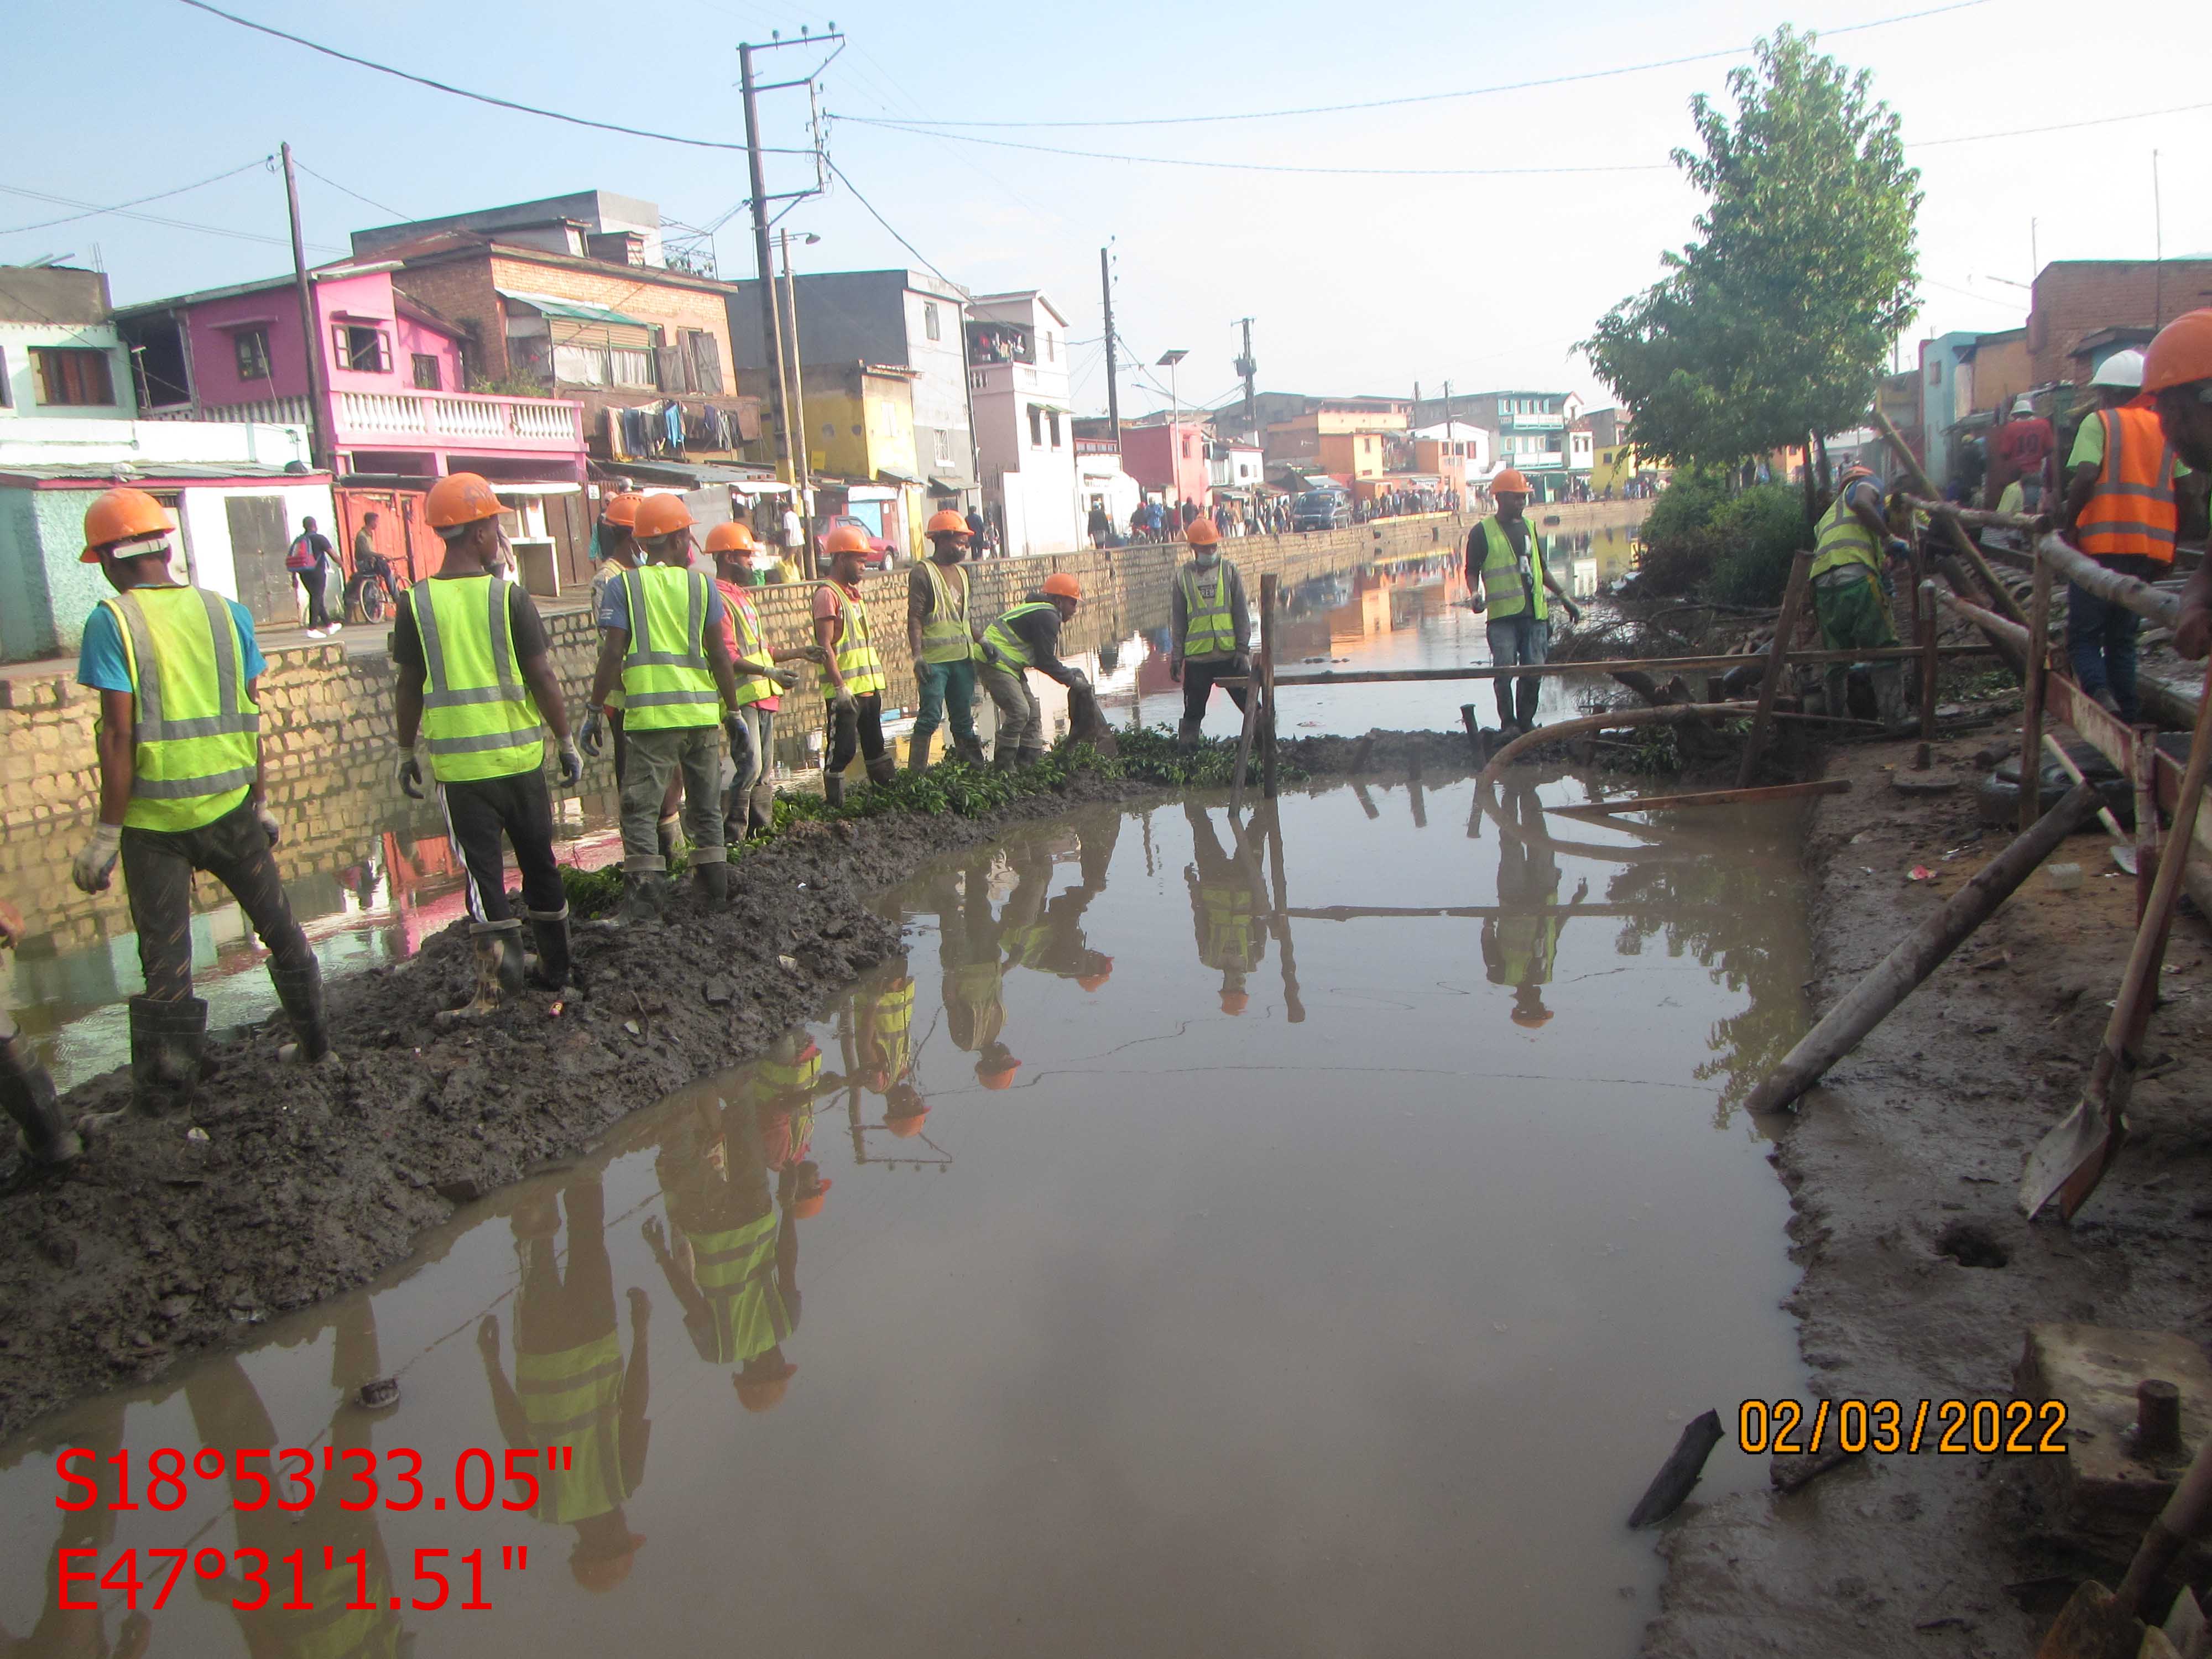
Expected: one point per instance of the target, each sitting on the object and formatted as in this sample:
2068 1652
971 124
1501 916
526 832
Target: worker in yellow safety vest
1209 630
661 639
2177 378
570 1387
749 803
181 791
942 639
1025 637
472 675
1507 581
1849 591
973 987
614 543
1228 905
851 668
1520 943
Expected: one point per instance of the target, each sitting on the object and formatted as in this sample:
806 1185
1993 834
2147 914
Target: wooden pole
1980 518
1893 979
1243 744
1924 600
1999 595
1268 585
1293 1005
2145 771
1778 653
1672 713
1706 798
2039 668
2151 604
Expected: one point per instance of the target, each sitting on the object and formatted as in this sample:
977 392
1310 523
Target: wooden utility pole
1113 384
318 419
764 268
802 471
1247 369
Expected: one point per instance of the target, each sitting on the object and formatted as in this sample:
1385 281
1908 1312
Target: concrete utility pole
1247 369
318 427
1112 385
764 268
802 469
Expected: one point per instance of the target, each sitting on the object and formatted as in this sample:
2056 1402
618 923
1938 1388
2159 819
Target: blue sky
1358 283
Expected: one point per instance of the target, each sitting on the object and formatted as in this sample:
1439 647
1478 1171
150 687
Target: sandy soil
1907 1161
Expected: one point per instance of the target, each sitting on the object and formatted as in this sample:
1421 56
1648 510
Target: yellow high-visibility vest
857 659
1210 627
751 646
477 719
666 680
1506 593
1844 540
946 636
1010 646
574 1398
735 1269
196 740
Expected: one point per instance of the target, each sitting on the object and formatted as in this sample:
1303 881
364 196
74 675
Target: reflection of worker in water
975 984
1228 905
228 1413
1047 934
1521 944
570 1387
81 1632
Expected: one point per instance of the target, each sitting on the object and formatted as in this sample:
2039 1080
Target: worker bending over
2178 377
1025 637
1850 599
1209 630
852 669
943 643
473 679
1508 579
181 791
750 804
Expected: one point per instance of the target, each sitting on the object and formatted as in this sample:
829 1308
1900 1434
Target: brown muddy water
1298 1237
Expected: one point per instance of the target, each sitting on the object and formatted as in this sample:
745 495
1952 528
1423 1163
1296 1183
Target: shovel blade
2090 1626
2070 1161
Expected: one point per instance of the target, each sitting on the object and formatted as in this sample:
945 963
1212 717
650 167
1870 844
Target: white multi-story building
1024 437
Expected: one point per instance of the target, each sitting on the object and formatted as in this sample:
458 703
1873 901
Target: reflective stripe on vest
1009 644
574 1398
1228 927
1506 593
944 636
477 717
1209 628
1844 540
890 1026
746 625
196 737
856 649
1528 949
784 1076
735 1270
664 687
336 1629
1025 944
2132 510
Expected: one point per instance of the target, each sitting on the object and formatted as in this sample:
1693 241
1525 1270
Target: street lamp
1167 361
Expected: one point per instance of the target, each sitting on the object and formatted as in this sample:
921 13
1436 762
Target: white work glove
843 701
409 773
92 866
267 820
572 763
782 678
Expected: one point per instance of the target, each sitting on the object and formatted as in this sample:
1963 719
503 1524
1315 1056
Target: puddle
1211 1237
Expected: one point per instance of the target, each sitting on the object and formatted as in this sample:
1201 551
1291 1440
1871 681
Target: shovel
2073 1157
2101 1623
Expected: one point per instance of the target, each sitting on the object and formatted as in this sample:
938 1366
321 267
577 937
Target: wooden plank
2153 605
1777 654
1268 586
1923 599
2038 668
1706 798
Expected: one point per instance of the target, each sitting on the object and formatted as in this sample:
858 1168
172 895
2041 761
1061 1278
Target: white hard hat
2023 405
2123 369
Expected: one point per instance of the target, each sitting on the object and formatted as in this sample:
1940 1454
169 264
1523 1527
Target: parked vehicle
882 554
1320 509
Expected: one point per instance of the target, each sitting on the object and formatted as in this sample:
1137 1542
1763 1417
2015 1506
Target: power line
380 206
159 195
2060 126
887 225
159 219
1439 97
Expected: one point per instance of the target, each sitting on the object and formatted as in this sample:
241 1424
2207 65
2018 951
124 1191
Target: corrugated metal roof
572 311
145 472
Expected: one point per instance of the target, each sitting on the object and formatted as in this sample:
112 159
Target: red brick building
2073 299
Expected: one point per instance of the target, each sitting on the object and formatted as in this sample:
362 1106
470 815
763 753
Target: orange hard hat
1511 482
1234 1002
601 1573
123 516
1091 981
764 1394
622 509
999 1075
1532 1017
808 1203
460 498
729 537
905 1112
1202 533
1062 585
848 538
2182 353
947 523
661 515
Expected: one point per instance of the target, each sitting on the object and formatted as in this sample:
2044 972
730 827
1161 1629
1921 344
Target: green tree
1775 324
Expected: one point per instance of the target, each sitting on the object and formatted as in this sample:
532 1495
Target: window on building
362 348
702 354
1052 425
429 373
6 389
929 320
944 438
251 348
629 366
73 376
1185 449
1036 427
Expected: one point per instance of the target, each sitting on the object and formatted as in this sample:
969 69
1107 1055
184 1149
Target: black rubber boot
644 896
27 1092
500 969
1003 758
1029 758
832 788
554 967
168 1042
300 991
969 749
1187 735
760 811
917 753
882 769
712 884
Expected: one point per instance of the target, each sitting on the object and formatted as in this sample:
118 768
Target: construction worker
1046 935
943 642
2120 509
473 675
1520 943
570 1387
749 803
661 639
1228 906
181 791
71 1621
1507 580
49 1144
852 669
615 544
2178 375
1025 637
1849 591
973 989
1209 630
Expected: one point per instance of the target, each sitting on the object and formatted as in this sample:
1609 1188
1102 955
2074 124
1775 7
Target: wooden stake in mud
1923 597
2000 596
1286 955
1893 979
2039 666
1778 652
2073 1157
1244 743
1267 584
2145 770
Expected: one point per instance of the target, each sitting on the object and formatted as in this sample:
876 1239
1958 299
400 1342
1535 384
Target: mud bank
1920 1275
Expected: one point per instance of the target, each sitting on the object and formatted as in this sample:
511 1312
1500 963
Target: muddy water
1213 1238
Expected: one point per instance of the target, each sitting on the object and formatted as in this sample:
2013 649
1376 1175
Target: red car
882 554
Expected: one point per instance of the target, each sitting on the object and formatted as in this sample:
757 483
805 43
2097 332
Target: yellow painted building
1613 466
859 430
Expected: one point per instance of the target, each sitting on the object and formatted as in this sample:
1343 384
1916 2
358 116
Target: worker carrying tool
1508 580
1209 630
852 669
660 638
181 791
472 678
49 1145
2119 508
1028 636
2177 378
943 641
749 804
1849 591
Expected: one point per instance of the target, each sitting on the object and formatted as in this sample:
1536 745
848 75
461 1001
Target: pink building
396 405
1168 461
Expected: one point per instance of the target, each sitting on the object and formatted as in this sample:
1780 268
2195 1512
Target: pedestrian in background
979 537
309 559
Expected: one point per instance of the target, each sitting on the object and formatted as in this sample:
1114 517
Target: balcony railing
458 420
